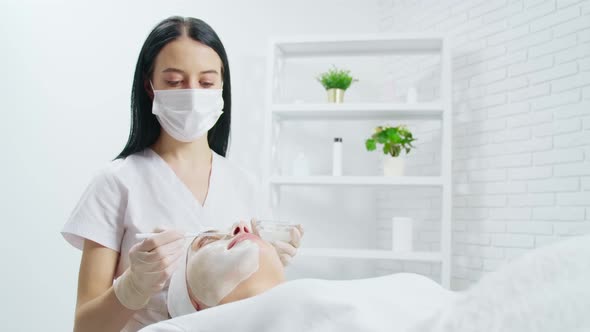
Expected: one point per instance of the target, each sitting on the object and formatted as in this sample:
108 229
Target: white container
402 232
412 95
300 165
274 231
393 166
337 157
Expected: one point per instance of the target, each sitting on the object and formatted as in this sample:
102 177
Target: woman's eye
173 83
207 84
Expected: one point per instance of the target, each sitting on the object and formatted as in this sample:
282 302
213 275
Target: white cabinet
278 112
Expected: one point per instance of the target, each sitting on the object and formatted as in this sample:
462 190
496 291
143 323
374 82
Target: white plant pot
393 166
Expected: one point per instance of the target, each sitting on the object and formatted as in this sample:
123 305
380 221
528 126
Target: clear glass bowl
274 231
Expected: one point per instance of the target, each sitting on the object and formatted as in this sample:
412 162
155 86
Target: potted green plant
394 140
336 81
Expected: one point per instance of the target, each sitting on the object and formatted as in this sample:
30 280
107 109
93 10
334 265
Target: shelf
367 47
355 111
371 254
342 45
428 181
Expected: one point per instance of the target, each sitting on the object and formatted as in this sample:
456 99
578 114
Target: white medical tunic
141 192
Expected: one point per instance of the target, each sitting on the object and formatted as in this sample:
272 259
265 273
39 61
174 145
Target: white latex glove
151 263
285 250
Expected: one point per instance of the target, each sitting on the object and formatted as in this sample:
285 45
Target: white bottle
300 165
337 157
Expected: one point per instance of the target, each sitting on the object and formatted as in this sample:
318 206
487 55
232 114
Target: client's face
230 267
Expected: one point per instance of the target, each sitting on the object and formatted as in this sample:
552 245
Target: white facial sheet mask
213 271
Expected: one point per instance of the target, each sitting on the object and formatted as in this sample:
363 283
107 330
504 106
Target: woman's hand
151 263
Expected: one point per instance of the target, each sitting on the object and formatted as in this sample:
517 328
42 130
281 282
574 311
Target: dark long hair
145 127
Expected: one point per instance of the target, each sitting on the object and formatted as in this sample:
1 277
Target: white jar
412 95
402 232
300 165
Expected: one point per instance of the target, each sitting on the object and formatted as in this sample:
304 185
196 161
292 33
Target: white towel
390 303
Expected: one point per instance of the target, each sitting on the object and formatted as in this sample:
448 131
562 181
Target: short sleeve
99 215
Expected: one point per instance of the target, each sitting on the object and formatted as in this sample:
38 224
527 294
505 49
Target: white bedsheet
545 290
389 303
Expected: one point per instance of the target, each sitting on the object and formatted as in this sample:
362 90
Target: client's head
222 268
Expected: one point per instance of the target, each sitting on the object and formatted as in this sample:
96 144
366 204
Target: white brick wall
521 154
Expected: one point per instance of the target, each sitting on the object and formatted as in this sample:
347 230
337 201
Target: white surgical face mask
213 271
187 114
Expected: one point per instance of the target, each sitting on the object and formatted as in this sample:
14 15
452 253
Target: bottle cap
338 139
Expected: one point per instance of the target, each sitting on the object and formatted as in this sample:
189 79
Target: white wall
521 135
521 153
66 69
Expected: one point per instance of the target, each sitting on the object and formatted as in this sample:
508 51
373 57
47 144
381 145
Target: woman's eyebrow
180 71
210 71
173 70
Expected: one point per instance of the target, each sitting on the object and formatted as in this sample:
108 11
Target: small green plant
336 79
394 139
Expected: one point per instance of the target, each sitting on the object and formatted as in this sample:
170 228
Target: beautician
170 181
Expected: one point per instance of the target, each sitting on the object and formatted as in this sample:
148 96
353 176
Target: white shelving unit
359 111
414 181
362 45
372 254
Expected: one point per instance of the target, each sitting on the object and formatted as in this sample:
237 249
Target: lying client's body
240 274
544 290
